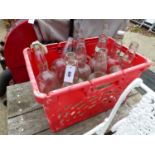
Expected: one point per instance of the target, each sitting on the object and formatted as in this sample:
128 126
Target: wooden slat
149 79
20 99
29 123
44 132
132 93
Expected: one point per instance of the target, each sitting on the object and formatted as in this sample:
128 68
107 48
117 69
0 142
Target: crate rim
90 83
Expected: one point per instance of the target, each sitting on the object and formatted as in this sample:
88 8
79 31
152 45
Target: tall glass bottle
99 65
114 58
81 54
59 64
133 47
71 69
99 62
128 57
46 79
114 63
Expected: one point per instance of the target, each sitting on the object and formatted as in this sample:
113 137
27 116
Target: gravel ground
147 48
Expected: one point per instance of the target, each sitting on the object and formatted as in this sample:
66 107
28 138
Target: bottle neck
41 60
103 39
80 51
102 43
133 46
101 56
80 47
70 59
69 46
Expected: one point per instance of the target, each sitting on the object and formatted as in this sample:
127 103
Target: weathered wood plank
149 78
28 124
44 132
133 92
20 99
36 123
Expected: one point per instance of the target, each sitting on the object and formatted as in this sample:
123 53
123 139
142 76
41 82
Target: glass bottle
81 54
99 62
59 64
133 47
121 55
115 68
46 79
71 69
114 59
114 62
101 44
128 57
119 37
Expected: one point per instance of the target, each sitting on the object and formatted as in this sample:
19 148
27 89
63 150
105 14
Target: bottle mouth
70 54
101 50
133 45
70 39
103 36
36 46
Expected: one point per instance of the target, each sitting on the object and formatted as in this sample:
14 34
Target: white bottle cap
120 33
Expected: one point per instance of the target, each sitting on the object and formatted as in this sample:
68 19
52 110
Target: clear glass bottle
81 54
46 79
128 57
59 64
115 68
99 62
114 62
119 40
133 47
101 44
114 59
71 69
119 37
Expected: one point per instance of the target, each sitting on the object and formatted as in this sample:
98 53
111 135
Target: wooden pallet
27 117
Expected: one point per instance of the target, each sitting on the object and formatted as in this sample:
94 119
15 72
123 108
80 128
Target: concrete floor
147 48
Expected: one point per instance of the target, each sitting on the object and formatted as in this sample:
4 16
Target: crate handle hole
103 86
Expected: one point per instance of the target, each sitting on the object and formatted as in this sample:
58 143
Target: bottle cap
120 33
37 45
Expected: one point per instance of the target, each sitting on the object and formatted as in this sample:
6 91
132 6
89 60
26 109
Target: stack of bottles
75 66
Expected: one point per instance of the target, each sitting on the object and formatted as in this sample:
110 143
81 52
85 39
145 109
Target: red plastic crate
69 105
